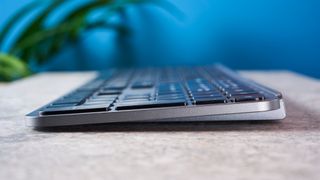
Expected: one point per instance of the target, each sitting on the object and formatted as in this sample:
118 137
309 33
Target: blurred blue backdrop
243 34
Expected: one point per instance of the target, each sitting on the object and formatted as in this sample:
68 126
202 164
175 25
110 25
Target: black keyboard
149 88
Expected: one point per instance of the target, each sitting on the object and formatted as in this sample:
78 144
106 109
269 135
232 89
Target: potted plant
38 42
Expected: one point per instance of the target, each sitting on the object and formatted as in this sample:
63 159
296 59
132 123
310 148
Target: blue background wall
243 34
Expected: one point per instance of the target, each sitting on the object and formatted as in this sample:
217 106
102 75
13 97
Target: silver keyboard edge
222 112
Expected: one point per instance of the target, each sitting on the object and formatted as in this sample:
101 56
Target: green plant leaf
70 25
80 14
40 43
36 24
35 41
12 68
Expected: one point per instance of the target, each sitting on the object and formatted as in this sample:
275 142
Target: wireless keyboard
208 93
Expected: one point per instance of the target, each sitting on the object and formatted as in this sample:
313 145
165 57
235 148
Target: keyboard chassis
271 108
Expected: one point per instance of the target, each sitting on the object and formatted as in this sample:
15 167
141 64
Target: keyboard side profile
210 93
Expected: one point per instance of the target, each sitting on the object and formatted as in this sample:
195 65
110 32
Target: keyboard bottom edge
277 114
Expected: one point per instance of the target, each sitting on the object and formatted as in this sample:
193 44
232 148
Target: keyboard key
142 84
216 100
100 100
246 98
97 102
169 87
133 100
171 97
208 96
109 92
207 93
103 97
63 104
137 96
67 101
115 86
74 109
79 94
151 104
243 93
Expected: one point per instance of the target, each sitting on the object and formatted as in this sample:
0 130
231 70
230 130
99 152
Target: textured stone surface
235 150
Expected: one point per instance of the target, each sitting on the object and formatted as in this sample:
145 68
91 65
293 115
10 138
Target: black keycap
151 104
67 101
163 93
74 109
246 98
97 103
115 86
137 96
79 94
199 90
100 100
133 100
253 93
171 97
103 97
169 87
142 84
207 96
109 92
63 104
170 93
216 100
216 93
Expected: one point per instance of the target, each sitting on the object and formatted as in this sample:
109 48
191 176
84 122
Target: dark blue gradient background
243 34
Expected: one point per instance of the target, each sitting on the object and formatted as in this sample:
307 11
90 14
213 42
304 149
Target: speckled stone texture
226 150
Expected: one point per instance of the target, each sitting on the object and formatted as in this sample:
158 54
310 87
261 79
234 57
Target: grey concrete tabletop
289 149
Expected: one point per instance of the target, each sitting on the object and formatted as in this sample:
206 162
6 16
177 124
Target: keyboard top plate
153 88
